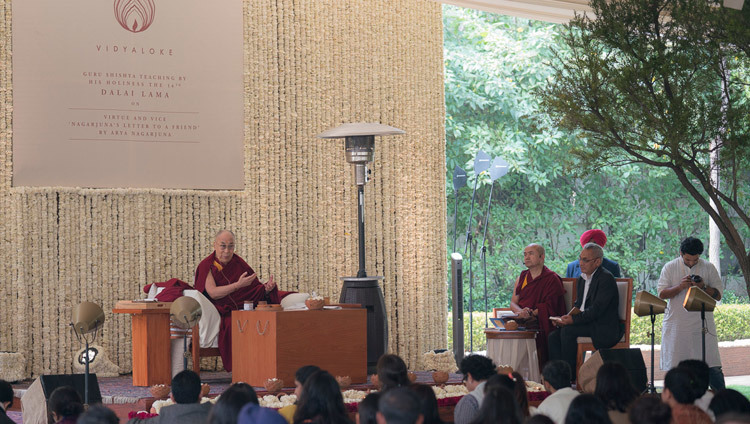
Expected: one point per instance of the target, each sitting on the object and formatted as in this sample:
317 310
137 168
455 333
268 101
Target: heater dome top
360 129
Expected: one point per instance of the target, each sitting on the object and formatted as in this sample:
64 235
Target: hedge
732 323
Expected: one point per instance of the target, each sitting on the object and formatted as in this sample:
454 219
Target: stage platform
119 394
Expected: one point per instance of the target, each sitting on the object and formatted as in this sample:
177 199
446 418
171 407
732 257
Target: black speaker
632 360
34 401
76 381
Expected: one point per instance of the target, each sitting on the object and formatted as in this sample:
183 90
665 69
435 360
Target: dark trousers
716 378
563 344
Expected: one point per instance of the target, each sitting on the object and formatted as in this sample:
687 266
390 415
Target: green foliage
494 66
663 83
731 324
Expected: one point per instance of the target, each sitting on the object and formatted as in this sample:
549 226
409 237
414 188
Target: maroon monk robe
546 294
225 275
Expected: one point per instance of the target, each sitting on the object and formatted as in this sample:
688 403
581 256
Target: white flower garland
296 217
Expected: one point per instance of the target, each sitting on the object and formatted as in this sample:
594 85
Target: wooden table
514 348
152 361
274 344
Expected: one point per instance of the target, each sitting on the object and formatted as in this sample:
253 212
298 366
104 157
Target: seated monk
228 281
539 294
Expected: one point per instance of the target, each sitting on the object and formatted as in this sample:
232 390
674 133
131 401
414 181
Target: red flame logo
135 15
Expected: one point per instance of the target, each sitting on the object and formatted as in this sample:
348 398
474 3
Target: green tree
493 63
663 83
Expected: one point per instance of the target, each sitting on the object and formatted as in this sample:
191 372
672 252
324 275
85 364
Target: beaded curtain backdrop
309 66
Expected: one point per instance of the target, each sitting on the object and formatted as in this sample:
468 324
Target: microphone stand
703 331
651 387
484 254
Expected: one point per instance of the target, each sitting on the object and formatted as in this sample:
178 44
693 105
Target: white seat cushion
290 300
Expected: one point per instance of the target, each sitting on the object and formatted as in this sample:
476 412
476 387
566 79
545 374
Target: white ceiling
557 11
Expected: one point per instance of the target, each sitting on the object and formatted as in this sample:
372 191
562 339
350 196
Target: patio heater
360 150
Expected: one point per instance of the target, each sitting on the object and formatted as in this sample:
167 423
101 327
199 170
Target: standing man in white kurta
681 331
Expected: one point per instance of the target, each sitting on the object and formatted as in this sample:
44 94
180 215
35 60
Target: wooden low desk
152 360
274 344
514 348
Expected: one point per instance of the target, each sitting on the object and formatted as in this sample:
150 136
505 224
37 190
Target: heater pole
361 226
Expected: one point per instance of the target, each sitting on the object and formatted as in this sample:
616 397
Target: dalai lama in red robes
228 281
539 294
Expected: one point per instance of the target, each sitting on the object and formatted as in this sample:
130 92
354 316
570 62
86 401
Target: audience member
728 401
702 374
734 418
587 409
556 379
186 393
253 413
64 405
679 393
515 383
539 419
98 414
231 402
649 409
428 403
392 372
299 380
499 407
321 401
476 370
615 389
6 401
399 405
368 409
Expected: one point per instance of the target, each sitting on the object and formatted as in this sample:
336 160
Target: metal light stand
481 164
498 169
185 346
651 387
86 362
484 254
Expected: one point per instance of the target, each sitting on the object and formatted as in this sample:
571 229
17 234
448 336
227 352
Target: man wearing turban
598 237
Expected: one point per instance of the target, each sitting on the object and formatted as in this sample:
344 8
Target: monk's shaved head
538 247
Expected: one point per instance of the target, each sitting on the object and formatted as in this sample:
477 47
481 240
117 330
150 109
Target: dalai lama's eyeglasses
223 246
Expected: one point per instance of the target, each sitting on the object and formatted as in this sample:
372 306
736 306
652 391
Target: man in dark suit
595 312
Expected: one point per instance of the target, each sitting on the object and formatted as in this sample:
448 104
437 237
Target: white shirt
681 330
556 405
586 285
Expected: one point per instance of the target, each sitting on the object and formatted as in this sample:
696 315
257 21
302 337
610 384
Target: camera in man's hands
696 278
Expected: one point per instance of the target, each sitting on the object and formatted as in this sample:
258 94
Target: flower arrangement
440 360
